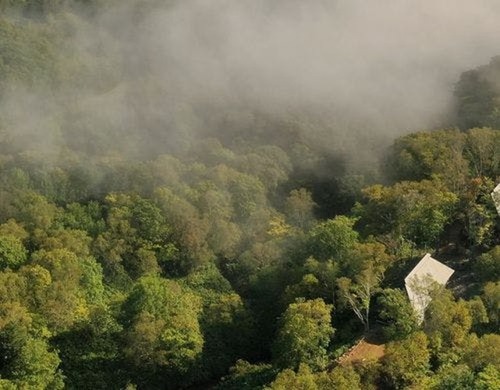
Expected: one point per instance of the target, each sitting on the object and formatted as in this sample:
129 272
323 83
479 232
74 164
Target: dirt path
363 351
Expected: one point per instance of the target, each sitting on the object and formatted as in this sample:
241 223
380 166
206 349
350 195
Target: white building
420 280
496 197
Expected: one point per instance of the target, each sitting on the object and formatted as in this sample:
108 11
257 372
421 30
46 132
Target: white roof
419 282
496 197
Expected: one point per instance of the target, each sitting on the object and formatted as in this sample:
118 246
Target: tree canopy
158 235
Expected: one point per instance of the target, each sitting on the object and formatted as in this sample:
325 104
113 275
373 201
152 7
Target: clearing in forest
363 351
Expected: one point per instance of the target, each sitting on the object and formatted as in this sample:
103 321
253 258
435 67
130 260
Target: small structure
496 197
419 282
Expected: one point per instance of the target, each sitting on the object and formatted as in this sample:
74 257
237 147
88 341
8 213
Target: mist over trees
229 194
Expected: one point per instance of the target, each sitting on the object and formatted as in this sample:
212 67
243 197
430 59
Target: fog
363 72
388 65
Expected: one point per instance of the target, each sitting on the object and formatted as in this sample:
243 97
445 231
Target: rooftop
496 197
419 282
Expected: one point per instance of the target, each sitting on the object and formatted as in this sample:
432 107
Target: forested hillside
162 227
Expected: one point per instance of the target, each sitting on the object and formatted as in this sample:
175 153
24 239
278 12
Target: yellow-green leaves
304 335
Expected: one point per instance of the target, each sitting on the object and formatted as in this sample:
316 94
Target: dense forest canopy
229 194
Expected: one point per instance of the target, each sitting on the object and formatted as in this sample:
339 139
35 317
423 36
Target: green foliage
92 281
137 238
87 217
61 299
427 155
454 377
489 378
324 274
268 163
477 97
397 314
488 265
480 212
246 376
209 279
332 239
34 211
34 366
307 288
12 252
12 228
228 332
304 335
467 164
226 323
370 373
483 352
190 230
406 362
491 299
149 240
27 53
304 379
90 353
369 263
340 378
365 255
482 150
12 287
478 312
75 241
28 360
299 208
448 322
163 332
418 211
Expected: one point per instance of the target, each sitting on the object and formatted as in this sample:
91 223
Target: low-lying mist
345 75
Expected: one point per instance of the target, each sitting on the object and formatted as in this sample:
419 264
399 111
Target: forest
165 227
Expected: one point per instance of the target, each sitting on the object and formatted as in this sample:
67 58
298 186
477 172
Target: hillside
180 208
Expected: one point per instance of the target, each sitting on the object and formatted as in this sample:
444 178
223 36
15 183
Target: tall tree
304 335
12 252
358 293
163 333
299 208
406 362
332 239
397 314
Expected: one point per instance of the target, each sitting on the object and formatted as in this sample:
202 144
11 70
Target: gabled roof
419 282
496 197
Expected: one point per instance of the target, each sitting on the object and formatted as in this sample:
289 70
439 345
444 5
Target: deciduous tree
304 335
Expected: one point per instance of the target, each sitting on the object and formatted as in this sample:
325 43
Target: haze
379 69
